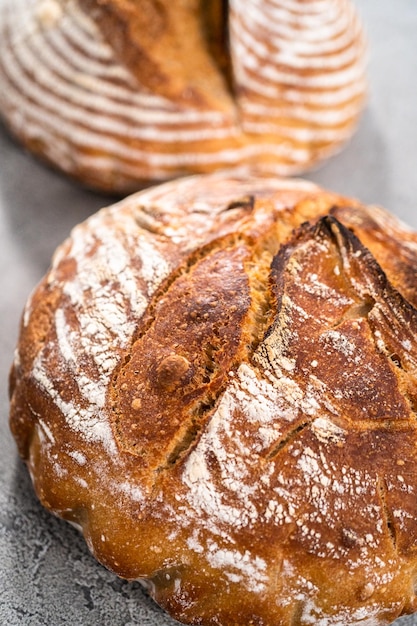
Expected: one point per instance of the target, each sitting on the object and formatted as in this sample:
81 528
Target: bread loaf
216 382
118 93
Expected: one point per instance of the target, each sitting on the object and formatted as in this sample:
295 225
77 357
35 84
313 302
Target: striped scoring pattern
297 86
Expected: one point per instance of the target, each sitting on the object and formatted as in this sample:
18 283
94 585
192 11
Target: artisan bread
216 382
118 93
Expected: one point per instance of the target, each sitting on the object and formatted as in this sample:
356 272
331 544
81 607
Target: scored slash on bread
216 381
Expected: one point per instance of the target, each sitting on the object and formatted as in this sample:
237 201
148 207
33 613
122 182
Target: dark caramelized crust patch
392 244
331 295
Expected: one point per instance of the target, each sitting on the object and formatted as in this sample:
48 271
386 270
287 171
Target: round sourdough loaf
118 93
216 381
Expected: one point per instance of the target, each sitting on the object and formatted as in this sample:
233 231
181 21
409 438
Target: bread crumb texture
216 381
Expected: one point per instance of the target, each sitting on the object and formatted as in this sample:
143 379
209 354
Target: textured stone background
47 576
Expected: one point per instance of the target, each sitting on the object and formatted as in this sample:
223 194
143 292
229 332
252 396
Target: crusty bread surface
120 93
216 381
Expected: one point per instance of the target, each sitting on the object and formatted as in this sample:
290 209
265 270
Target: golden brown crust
142 33
176 371
216 381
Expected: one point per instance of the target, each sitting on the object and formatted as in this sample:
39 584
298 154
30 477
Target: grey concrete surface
47 576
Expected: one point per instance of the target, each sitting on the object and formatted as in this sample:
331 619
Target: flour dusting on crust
216 382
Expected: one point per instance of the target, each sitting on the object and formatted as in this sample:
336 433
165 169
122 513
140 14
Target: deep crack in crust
179 370
217 382
196 72
178 367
